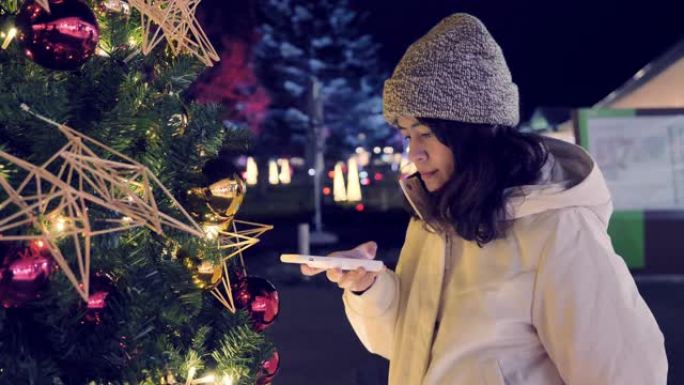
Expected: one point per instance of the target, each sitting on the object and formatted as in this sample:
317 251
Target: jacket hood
569 178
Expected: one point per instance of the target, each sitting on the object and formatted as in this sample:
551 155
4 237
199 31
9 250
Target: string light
8 39
211 378
59 224
211 231
191 375
208 379
100 52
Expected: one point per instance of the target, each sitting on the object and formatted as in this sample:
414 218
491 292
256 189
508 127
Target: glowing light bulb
191 375
208 379
211 231
60 224
100 52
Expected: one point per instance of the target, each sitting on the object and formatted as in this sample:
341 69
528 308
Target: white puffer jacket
550 304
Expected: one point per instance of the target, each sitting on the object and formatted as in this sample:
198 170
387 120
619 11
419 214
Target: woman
507 274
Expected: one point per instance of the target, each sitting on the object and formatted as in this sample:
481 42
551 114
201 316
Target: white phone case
333 262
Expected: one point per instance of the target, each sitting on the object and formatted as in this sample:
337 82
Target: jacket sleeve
373 314
587 310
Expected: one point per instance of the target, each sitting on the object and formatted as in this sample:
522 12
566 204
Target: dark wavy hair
488 159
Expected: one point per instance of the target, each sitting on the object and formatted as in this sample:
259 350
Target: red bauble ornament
61 39
269 369
101 288
24 273
260 299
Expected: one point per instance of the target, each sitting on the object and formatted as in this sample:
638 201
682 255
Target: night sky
561 53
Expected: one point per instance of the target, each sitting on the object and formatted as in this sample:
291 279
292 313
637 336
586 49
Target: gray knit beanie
455 72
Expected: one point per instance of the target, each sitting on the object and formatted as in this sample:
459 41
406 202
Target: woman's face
434 160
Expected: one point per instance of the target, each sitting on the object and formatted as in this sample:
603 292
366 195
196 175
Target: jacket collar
416 195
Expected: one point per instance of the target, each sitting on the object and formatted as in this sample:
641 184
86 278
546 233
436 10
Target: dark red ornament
268 370
24 273
62 39
260 299
101 288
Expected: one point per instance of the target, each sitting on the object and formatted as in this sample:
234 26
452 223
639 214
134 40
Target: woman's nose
417 154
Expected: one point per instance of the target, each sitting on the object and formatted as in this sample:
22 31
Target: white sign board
642 159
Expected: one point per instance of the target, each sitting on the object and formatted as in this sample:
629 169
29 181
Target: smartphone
333 262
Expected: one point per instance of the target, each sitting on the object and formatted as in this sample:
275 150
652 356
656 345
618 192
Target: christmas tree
306 40
105 278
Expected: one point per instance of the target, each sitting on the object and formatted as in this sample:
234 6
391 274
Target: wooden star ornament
243 235
57 205
175 21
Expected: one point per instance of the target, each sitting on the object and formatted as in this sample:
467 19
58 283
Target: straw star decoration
119 184
175 21
45 4
243 235
57 205
55 210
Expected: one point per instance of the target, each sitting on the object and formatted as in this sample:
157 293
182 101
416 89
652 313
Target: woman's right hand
358 280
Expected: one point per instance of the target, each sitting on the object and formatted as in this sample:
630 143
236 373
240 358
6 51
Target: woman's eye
426 135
